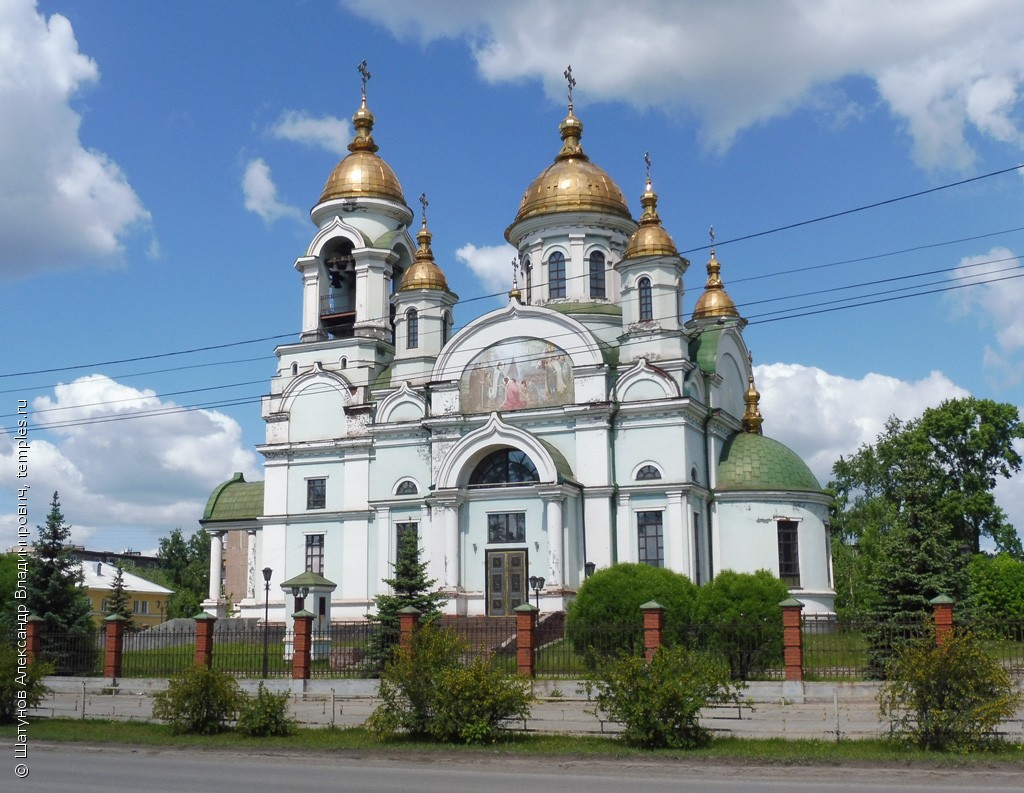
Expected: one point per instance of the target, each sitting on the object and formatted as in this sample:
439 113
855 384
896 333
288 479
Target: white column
624 531
556 543
250 566
310 267
451 546
386 555
216 563
675 534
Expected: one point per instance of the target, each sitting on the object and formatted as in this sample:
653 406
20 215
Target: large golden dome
650 239
362 174
572 183
424 272
714 302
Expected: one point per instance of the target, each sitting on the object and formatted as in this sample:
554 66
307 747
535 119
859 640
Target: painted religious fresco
515 374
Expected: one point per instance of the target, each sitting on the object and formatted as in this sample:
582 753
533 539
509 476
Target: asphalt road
65 768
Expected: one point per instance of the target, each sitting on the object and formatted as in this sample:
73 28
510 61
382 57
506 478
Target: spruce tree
55 594
410 587
119 602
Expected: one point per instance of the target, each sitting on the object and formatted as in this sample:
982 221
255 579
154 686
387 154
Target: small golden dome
362 173
572 183
650 239
714 302
752 418
424 272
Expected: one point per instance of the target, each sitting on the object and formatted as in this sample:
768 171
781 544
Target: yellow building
149 600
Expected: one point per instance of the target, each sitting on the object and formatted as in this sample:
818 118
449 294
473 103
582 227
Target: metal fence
77 654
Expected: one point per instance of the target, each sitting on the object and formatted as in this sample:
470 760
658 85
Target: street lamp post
267 572
536 584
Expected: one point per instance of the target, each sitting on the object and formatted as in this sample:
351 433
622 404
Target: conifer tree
410 587
55 594
119 601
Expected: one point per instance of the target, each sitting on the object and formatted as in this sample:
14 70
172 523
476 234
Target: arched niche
315 405
643 382
403 404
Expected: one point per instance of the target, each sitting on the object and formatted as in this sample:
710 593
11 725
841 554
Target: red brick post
34 638
408 622
793 638
654 626
114 649
943 615
526 639
204 638
302 652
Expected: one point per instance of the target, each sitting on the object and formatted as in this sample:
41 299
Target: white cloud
122 482
943 68
822 416
62 204
995 302
329 132
491 264
261 194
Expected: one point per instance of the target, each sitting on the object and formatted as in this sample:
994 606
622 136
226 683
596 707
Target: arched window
556 275
504 467
446 327
412 329
647 472
597 274
646 304
407 488
528 277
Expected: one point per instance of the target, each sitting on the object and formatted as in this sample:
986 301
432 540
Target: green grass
744 750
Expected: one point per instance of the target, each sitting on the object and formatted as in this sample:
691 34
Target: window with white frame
650 538
556 274
316 493
647 472
315 553
789 552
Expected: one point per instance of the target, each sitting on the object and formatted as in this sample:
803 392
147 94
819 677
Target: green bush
659 703
265 715
200 700
948 698
14 688
605 618
996 588
428 692
740 620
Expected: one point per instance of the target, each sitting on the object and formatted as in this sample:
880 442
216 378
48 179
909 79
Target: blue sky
158 162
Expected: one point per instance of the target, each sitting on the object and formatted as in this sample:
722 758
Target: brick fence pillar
792 638
302 645
654 627
526 639
943 615
204 638
34 637
408 622
114 649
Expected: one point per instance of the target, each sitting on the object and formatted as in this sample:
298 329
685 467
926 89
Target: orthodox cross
571 82
647 162
365 75
515 275
423 203
711 233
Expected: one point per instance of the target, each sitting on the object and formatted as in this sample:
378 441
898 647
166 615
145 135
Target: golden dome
424 272
362 173
752 418
714 302
650 239
572 183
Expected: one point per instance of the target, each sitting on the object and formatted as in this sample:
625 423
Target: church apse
515 374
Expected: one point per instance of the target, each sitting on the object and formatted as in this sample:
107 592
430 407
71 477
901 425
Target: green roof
704 349
751 461
561 464
235 499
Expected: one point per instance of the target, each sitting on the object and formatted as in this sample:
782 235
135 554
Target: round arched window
504 467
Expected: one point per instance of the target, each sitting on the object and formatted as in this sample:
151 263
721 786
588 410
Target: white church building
593 419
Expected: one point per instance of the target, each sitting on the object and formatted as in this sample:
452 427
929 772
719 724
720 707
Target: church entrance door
506 581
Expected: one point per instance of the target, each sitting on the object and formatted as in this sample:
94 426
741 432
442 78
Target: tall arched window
556 275
446 327
412 329
528 277
646 305
506 466
597 274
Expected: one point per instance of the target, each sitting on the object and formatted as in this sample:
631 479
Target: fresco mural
515 374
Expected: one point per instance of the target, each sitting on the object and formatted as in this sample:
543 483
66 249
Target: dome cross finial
365 74
647 162
424 203
711 233
571 82
752 419
514 293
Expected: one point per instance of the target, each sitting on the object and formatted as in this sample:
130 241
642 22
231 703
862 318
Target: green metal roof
751 461
235 499
704 349
310 579
561 464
